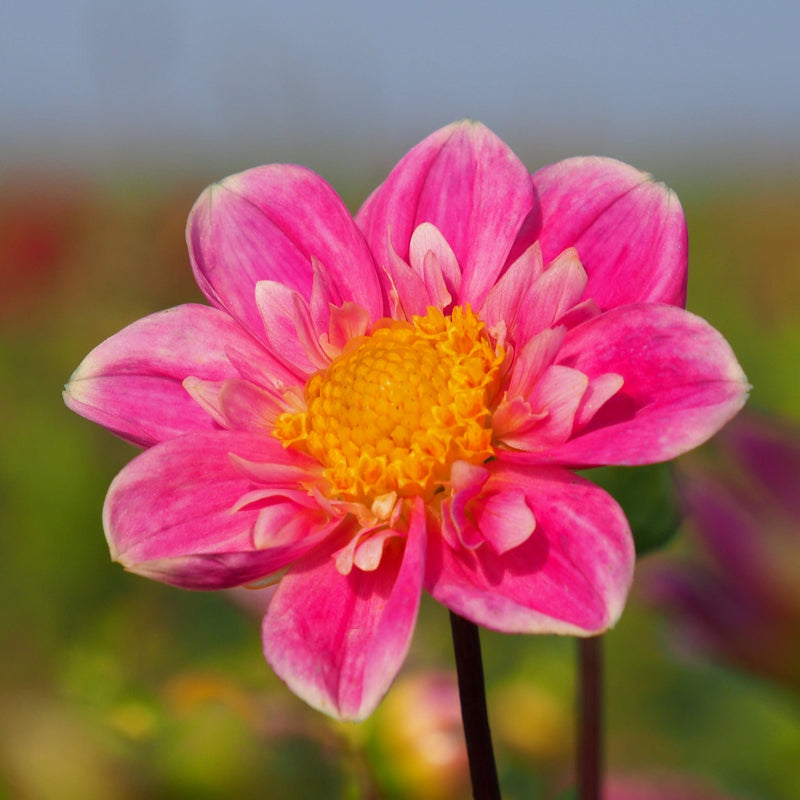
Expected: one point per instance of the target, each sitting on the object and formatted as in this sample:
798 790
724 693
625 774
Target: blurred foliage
647 497
114 687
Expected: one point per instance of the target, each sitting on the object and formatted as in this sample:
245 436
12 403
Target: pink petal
553 403
629 231
132 382
571 575
598 392
504 519
246 407
681 384
431 257
466 481
466 182
408 294
206 395
346 323
169 515
288 328
339 640
551 295
268 223
507 297
532 359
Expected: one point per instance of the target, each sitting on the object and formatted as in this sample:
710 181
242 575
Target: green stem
471 690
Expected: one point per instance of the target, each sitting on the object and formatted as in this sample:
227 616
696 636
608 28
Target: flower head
375 406
736 598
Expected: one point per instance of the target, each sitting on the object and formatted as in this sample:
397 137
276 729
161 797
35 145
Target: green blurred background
115 687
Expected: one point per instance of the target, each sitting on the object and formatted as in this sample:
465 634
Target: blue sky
102 81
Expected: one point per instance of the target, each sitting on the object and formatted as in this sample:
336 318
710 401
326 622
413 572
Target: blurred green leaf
647 497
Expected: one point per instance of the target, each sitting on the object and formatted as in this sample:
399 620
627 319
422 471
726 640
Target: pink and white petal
504 519
507 296
369 551
339 640
407 291
324 295
286 525
468 183
630 231
552 294
553 401
388 216
267 224
466 480
346 322
132 382
599 391
246 407
206 395
570 576
682 383
533 358
288 328
586 309
432 258
514 417
169 514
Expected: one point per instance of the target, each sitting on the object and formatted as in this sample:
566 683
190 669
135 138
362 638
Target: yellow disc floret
396 408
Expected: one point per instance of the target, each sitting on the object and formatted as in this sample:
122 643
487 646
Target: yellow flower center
397 408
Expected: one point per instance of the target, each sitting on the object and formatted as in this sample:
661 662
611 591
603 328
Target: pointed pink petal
466 182
629 231
346 323
132 382
466 481
504 519
407 290
268 223
169 515
431 257
681 384
508 295
553 401
246 407
286 325
571 575
532 359
206 395
552 294
599 391
339 640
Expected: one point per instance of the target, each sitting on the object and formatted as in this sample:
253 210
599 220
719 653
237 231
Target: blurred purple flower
739 601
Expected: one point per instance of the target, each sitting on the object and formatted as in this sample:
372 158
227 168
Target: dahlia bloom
375 406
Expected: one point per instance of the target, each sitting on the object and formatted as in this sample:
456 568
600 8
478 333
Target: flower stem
482 769
590 712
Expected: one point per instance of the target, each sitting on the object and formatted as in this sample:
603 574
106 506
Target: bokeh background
113 117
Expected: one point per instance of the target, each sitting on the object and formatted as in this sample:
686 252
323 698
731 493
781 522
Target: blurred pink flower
378 405
738 599
664 787
419 735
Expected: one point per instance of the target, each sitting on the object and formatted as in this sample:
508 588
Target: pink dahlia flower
375 406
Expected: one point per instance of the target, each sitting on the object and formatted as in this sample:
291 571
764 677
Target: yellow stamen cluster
396 408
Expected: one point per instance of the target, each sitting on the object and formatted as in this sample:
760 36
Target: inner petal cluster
395 410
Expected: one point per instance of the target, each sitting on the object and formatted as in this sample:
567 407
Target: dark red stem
471 690
590 718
